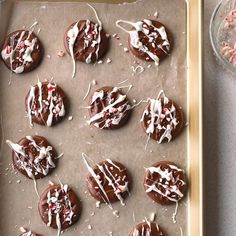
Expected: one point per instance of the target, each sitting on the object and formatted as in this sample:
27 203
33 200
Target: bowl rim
225 62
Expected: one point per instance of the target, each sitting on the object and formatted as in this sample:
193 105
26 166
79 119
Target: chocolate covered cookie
147 229
59 207
21 51
148 39
162 119
45 104
86 41
165 182
33 156
108 181
109 108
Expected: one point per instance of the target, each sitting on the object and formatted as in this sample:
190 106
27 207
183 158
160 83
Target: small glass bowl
219 33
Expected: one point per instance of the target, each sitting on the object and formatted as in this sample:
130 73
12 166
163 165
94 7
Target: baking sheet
18 200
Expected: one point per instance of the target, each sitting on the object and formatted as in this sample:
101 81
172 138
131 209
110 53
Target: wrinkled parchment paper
17 197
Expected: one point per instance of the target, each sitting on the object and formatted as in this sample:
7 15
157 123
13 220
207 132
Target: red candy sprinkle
51 88
21 45
8 49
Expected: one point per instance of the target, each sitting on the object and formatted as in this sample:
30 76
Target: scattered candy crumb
94 82
61 54
152 216
108 60
116 213
156 14
98 204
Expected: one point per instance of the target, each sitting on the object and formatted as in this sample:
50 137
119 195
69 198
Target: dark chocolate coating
61 206
160 51
118 176
42 117
144 229
178 179
99 104
176 130
80 51
31 154
20 48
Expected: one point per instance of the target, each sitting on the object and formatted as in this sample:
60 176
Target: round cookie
162 119
21 51
109 108
148 39
86 41
59 207
45 104
33 156
108 181
147 228
165 182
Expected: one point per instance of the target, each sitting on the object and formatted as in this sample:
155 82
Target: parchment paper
18 200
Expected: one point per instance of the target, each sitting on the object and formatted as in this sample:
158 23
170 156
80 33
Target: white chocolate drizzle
96 34
52 104
147 231
116 108
156 114
113 181
33 166
142 26
28 233
168 186
23 47
72 36
59 206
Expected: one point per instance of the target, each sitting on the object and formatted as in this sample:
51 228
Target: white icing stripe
156 113
29 233
135 40
90 169
169 187
98 41
117 189
110 108
113 181
33 165
58 222
55 110
26 57
72 36
56 205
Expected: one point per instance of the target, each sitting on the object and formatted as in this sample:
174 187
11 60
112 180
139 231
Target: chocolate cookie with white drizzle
162 119
59 207
109 108
29 233
45 104
147 228
108 181
86 41
148 39
33 156
21 51
165 182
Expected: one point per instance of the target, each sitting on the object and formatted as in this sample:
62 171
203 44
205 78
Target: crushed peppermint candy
61 54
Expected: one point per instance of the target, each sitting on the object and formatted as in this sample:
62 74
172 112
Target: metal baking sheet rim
194 97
